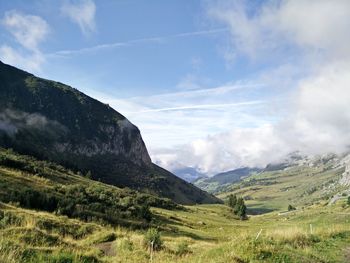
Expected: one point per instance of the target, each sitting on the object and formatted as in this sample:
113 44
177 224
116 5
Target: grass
203 233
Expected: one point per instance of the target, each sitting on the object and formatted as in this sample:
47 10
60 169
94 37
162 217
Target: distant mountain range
223 182
52 121
219 181
189 174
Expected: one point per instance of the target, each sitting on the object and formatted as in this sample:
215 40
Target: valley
314 232
77 185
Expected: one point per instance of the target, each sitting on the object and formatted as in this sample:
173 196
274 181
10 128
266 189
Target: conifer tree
232 200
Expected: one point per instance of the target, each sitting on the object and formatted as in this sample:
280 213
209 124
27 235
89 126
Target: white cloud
308 41
81 12
28 31
276 25
31 62
225 151
322 118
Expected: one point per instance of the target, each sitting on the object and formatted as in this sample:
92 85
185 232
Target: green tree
240 209
349 200
232 200
291 208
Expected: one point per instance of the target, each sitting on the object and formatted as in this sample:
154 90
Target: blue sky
211 84
161 43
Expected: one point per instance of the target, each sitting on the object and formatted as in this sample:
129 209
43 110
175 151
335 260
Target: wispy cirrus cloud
157 39
201 106
170 119
81 12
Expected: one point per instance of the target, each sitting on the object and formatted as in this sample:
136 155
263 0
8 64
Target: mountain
292 159
52 121
219 181
188 174
301 182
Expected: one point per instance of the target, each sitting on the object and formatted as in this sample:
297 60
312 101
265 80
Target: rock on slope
53 121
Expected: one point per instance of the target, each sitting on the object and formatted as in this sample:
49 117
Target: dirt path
108 248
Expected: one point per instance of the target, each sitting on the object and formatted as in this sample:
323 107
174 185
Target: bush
152 239
291 208
348 200
182 249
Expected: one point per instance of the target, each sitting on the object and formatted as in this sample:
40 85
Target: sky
214 85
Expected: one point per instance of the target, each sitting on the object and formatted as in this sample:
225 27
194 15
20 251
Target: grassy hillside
298 185
203 233
45 186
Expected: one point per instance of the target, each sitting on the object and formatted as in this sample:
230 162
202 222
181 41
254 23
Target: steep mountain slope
219 181
52 121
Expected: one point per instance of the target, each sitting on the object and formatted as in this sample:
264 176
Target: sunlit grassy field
203 233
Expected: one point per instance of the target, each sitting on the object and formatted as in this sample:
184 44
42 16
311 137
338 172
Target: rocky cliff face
53 121
125 141
345 178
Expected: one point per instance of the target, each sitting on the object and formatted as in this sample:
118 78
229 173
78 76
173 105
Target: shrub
182 249
291 208
145 213
152 239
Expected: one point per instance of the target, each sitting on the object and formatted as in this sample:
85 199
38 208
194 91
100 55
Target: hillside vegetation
45 186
